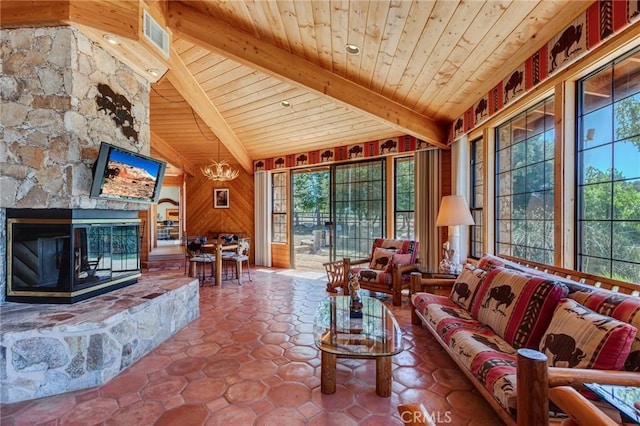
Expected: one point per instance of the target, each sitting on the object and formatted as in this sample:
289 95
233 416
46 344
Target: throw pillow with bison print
381 260
581 338
517 306
466 286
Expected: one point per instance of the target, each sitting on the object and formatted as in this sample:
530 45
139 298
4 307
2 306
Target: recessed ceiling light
154 72
111 39
285 104
352 49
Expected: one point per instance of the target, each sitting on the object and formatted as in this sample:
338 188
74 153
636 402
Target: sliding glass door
311 240
358 207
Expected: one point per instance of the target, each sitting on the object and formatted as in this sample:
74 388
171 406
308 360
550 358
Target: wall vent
157 35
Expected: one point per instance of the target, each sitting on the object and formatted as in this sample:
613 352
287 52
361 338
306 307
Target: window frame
476 198
591 149
411 231
519 222
279 233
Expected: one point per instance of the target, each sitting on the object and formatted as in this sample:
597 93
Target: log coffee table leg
328 373
383 375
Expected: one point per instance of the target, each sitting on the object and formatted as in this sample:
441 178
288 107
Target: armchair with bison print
496 312
388 267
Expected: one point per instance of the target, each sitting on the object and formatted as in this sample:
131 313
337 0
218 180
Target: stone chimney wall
50 126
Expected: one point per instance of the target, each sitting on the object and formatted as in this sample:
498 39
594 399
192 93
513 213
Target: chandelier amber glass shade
220 171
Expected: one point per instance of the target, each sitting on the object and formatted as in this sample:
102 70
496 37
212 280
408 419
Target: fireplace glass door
59 260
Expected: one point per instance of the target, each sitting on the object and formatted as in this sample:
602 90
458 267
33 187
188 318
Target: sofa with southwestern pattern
386 270
499 311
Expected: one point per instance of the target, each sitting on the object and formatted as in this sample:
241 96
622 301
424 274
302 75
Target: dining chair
190 247
197 259
241 254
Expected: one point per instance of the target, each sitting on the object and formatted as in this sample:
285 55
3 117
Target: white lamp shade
454 210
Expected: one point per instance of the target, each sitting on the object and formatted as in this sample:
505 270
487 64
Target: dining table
217 247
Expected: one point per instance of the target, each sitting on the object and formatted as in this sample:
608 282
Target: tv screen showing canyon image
119 174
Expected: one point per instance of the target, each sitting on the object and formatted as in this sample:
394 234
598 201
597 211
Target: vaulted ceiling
421 65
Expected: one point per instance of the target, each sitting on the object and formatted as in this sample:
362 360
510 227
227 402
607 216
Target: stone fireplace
68 245
54 118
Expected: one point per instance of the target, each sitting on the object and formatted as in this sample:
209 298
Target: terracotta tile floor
250 360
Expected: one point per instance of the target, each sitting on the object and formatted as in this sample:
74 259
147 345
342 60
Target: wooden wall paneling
146 228
203 220
280 255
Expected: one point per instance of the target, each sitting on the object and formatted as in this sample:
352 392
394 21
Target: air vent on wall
156 34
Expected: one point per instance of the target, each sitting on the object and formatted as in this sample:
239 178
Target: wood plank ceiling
422 63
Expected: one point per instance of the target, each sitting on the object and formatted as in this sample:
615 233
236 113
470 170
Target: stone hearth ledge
52 349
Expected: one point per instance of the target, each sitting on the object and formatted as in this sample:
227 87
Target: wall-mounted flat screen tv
119 174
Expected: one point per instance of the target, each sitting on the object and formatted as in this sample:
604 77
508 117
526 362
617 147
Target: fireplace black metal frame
64 255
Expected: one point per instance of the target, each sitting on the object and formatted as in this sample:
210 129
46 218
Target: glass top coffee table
337 335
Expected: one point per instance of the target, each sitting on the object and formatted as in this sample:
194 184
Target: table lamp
454 211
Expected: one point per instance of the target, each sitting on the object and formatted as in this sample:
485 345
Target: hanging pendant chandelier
220 171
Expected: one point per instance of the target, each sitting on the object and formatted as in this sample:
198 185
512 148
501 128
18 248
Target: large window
404 198
608 157
279 208
359 207
476 201
524 184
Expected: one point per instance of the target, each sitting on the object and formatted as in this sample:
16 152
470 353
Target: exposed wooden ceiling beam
119 17
15 14
170 154
210 33
182 79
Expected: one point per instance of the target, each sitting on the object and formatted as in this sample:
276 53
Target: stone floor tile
173 401
184 366
187 414
281 416
289 394
301 353
258 369
295 371
267 351
139 413
124 384
233 415
410 377
221 367
204 390
262 406
164 388
452 378
203 349
151 363
470 403
340 400
245 392
128 399
86 413
43 410
333 418
251 359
